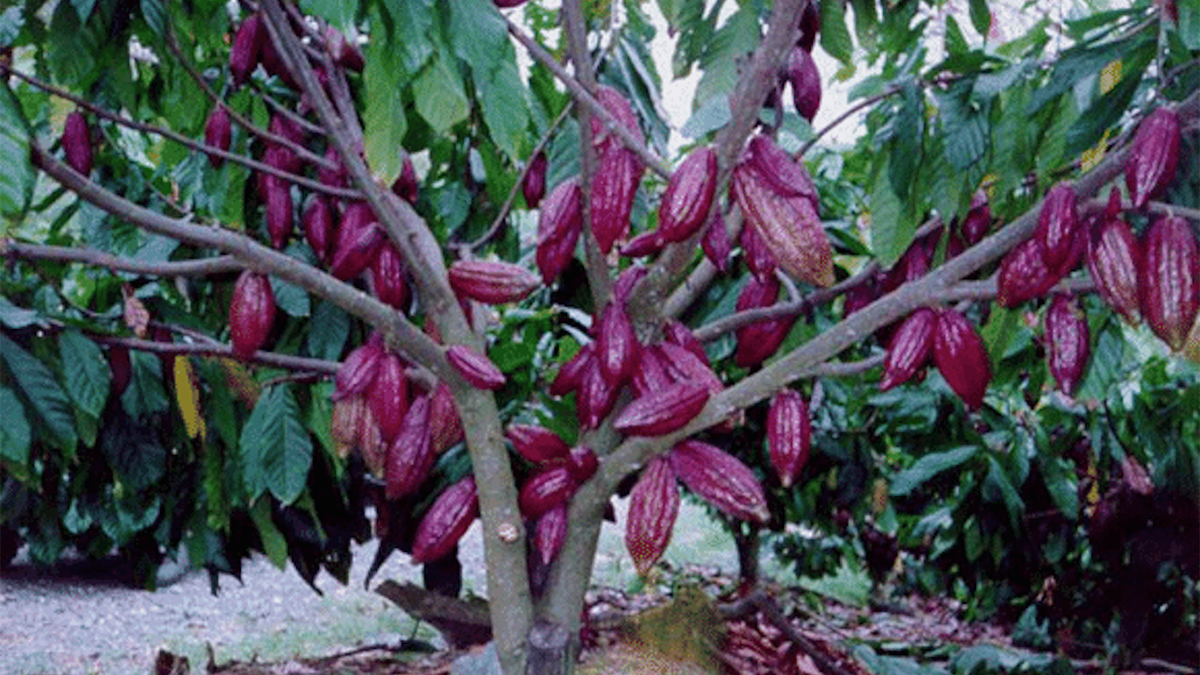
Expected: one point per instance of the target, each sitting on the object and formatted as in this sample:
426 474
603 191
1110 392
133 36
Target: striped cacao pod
1023 274
775 167
388 395
789 435
445 425
759 259
387 277
410 456
317 219
537 444
549 533
596 397
1067 342
616 345
660 412
570 374
359 239
1058 223
446 521
545 490
787 225
582 462
251 314
77 143
357 373
246 48
805 79
218 133
1153 156
910 349
533 184
614 185
689 196
491 282
716 243
960 357
1169 279
475 367
279 211
560 223
1114 260
720 479
653 508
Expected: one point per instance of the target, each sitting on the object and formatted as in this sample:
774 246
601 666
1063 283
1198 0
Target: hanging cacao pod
279 211
533 184
410 456
251 314
359 239
387 277
1169 279
388 395
406 185
653 509
492 282
759 340
582 462
805 79
961 358
720 479
1058 223
1023 274
549 533
446 521
910 349
1114 260
978 220
537 444
616 345
789 435
560 223
787 225
1067 342
660 412
246 49
689 195
77 143
357 373
613 188
475 367
318 226
570 374
545 490
1153 156
759 259
716 243
445 425
218 132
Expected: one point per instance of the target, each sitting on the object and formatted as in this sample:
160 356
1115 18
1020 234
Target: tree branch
90 256
285 361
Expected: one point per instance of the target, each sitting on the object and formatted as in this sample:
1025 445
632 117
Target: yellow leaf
1110 76
1092 156
188 397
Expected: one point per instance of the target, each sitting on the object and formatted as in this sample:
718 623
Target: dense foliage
413 262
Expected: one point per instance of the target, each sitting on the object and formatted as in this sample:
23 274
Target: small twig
179 268
847 114
316 367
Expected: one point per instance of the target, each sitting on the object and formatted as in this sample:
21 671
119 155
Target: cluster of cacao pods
950 339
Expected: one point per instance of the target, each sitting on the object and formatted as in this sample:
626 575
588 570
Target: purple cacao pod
759 259
446 521
357 373
910 349
978 220
246 49
279 211
716 243
251 314
582 462
720 479
410 457
1058 224
533 184
445 425
660 412
676 333
318 226
653 508
537 444
643 245
1114 260
1169 279
560 223
759 340
1023 274
475 367
549 533
616 345
626 280
613 187
788 226
359 239
789 435
781 174
387 277
1153 156
960 357
570 374
596 397
77 143
406 185
492 282
388 395
545 490
1067 342
689 196
218 133
805 79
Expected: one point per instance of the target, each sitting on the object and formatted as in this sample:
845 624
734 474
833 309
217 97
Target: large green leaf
892 228
276 450
384 121
409 26
85 371
16 180
145 394
440 96
835 35
505 107
134 450
998 487
929 466
38 386
327 331
15 434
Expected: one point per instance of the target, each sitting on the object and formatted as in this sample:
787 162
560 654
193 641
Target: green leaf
1062 485
966 130
505 107
723 52
892 229
929 466
273 541
1080 63
1107 110
292 299
384 121
835 35
11 21
998 487
955 42
85 371
327 331
711 116
981 17
409 27
145 394
155 13
17 178
15 434
440 97
1188 26
134 450
37 384
83 8
17 317
276 450
339 13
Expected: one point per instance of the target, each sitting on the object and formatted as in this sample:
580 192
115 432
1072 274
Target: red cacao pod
1023 274
646 244
359 239
406 185
781 174
537 444
759 340
689 195
913 264
614 185
279 211
388 395
318 226
810 25
676 333
1067 342
652 373
684 366
616 345
960 357
626 280
410 456
1114 260
720 479
789 435
616 103
286 127
77 143
273 63
445 425
653 509
1058 224
507 4
582 462
251 314
549 533
570 374
218 132
492 282
716 243
121 368
560 223
660 412
759 259
475 367
545 490
978 220
533 184
1153 156
860 296
788 226
596 397
910 349
387 277
357 373
336 175
246 49
446 521
805 79
1169 279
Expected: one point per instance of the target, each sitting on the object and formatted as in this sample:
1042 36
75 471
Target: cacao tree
268 263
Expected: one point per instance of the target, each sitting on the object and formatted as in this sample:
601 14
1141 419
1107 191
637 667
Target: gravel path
71 621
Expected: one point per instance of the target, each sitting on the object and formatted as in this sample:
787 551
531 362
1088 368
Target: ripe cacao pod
616 103
371 445
279 211
570 374
910 349
616 345
357 373
359 239
77 143
251 314
121 367
1058 223
410 456
810 25
318 226
388 395
789 435
643 245
537 444
720 479
1023 274
549 533
653 508
781 174
560 223
787 225
246 48
596 397
445 425
961 358
613 188
1153 156
676 333
582 462
387 277
533 184
626 280
286 127
805 79
1169 279
446 521
475 367
913 264
491 282
344 424
660 412
759 340
336 175
1114 260
689 195
860 296
652 373
1067 342
759 259
406 185
545 490
716 243
978 220
684 366
218 132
